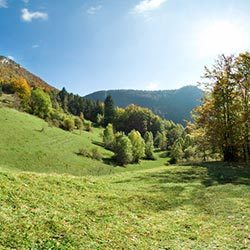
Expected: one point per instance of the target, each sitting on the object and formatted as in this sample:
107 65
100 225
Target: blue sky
89 45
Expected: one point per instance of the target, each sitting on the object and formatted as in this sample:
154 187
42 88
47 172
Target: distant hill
10 69
174 105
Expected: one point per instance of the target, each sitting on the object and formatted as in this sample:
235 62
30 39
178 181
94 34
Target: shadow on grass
187 185
97 143
224 173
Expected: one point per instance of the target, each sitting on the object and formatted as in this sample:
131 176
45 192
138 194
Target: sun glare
221 37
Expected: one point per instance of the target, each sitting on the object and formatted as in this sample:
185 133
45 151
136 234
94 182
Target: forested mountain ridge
173 105
10 70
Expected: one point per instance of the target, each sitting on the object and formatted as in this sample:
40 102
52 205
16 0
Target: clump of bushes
94 153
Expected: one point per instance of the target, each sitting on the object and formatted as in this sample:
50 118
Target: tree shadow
225 173
186 185
97 143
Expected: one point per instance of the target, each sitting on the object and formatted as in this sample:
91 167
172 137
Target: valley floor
169 207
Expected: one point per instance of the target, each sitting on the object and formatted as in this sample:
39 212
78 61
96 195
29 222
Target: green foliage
88 127
174 105
109 110
78 123
223 119
160 140
108 137
123 150
79 106
69 124
40 103
149 146
138 118
94 153
138 145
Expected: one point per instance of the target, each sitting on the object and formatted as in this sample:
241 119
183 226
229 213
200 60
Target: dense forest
174 105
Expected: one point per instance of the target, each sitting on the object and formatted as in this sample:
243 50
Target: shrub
78 123
88 127
84 152
108 137
69 124
96 154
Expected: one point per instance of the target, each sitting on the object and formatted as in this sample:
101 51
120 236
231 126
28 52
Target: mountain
174 105
10 69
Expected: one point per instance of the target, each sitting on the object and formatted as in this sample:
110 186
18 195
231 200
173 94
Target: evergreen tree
109 110
138 145
149 146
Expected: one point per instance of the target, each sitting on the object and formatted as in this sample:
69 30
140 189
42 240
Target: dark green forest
174 105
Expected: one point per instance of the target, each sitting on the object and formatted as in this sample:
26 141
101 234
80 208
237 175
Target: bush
96 154
68 124
78 123
84 152
88 127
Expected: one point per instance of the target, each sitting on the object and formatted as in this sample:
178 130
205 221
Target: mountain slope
10 69
28 144
174 105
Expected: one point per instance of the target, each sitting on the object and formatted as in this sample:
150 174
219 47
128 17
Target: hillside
10 69
174 105
27 143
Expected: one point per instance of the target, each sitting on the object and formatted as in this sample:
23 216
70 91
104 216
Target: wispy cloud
35 46
147 5
28 16
3 4
26 1
93 9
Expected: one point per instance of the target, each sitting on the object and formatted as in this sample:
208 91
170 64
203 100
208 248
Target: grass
162 208
27 143
50 198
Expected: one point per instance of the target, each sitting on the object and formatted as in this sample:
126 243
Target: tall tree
108 137
138 145
123 149
149 146
220 113
243 80
109 110
40 103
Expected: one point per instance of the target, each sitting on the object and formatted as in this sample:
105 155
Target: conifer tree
109 110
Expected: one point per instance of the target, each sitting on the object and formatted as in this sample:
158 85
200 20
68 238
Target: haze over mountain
174 105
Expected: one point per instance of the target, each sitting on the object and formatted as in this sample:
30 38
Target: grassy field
51 198
177 207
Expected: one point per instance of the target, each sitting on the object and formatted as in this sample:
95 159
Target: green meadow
52 198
